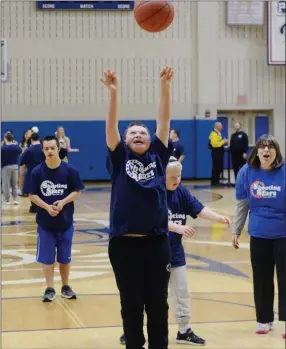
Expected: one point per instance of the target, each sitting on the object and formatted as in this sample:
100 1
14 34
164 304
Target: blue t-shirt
32 157
181 203
265 192
52 185
178 149
10 154
138 195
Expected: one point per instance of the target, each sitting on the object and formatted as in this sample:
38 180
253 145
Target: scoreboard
85 5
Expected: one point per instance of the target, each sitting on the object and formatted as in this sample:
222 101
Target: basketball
154 16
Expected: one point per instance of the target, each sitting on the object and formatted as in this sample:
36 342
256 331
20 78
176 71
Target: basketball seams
163 24
141 4
154 14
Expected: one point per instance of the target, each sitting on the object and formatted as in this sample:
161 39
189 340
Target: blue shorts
52 243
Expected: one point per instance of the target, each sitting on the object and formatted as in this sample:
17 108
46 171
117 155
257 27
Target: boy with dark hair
54 187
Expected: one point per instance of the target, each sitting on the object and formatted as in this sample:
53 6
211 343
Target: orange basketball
154 16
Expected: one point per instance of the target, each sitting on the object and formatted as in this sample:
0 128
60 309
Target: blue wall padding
89 137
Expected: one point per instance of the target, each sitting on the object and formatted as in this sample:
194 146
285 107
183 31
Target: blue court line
188 186
120 326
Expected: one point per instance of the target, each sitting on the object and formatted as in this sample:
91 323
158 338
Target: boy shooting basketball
53 188
138 249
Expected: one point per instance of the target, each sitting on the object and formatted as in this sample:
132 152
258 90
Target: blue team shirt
32 157
10 154
265 192
52 185
181 203
178 149
138 194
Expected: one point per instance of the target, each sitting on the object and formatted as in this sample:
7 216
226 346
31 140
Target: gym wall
57 57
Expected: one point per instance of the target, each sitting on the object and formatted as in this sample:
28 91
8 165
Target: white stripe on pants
181 297
10 180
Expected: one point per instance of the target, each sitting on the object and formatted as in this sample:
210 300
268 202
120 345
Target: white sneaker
262 328
16 203
6 203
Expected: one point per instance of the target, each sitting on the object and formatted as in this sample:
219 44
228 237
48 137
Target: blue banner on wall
85 5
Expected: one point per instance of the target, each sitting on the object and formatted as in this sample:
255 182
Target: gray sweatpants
10 180
181 298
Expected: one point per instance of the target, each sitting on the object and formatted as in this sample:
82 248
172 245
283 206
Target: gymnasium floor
219 279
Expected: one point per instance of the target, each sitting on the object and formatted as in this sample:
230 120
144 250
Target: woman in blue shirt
260 190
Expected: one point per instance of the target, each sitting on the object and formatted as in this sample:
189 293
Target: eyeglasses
269 146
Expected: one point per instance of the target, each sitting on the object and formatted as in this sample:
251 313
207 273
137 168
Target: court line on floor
120 326
193 298
4 270
117 294
67 309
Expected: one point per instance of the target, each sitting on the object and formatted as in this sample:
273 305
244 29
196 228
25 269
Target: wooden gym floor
220 282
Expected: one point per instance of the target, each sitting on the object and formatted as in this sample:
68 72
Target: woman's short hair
263 141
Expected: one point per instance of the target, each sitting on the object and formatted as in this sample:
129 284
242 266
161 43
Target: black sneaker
189 338
49 295
68 293
122 339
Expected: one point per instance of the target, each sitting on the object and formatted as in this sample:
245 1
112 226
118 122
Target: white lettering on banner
86 6
136 170
123 6
276 32
48 6
260 191
48 188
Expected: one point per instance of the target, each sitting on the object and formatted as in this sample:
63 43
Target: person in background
4 140
216 144
25 142
260 191
65 144
10 153
238 148
32 130
31 157
179 151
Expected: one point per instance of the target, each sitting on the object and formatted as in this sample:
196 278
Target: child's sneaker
68 293
189 338
49 295
262 328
